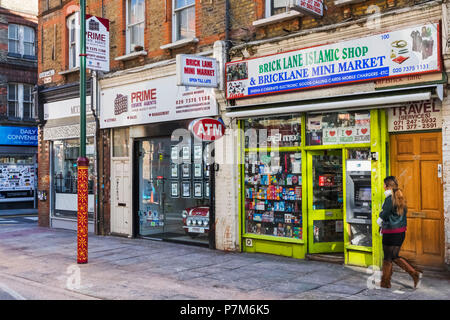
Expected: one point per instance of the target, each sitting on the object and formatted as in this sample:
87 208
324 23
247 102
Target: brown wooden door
415 159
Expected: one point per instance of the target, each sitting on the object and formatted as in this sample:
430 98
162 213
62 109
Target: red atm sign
207 129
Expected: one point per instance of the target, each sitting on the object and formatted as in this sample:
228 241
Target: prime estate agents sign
152 101
97 43
411 51
196 71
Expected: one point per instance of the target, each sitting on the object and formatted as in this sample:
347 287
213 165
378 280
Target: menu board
16 177
421 115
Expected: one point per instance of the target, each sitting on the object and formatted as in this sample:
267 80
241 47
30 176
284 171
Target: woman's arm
386 209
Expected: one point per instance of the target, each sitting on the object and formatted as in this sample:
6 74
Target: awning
376 99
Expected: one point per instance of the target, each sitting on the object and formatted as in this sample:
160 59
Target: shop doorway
325 202
416 161
121 218
173 196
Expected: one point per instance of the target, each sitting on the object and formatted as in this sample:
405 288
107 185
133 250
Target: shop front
61 133
160 173
313 163
18 148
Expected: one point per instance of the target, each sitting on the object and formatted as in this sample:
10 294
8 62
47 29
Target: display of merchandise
273 195
17 177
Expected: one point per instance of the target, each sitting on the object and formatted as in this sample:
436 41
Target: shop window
20 101
184 19
21 41
73 24
273 132
273 179
135 25
16 160
338 128
120 142
64 170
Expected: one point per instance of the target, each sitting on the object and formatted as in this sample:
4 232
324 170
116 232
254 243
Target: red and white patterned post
82 234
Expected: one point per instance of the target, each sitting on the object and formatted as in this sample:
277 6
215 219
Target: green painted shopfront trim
354 255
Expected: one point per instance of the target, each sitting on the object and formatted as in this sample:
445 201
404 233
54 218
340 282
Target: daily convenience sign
411 51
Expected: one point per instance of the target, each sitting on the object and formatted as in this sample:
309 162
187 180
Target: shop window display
273 132
273 179
338 128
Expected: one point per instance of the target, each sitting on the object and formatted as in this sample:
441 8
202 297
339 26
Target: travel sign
411 51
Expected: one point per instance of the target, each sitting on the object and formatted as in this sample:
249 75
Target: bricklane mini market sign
415 50
196 71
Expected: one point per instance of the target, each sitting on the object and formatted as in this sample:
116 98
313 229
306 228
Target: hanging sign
207 129
410 51
421 115
97 43
196 71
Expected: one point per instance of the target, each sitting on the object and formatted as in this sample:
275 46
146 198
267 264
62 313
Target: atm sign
207 129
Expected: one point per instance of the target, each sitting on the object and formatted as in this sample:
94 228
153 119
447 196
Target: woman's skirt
393 239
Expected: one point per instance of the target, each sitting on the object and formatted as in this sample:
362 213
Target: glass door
325 202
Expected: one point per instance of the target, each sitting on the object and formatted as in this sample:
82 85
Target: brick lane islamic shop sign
97 43
410 51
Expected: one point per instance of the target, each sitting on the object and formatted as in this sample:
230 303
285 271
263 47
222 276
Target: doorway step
337 258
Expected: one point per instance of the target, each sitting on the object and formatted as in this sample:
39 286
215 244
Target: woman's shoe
404 264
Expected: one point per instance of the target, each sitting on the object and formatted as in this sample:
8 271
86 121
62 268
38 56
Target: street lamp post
82 161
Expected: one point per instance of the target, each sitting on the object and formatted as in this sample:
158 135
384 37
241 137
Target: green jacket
392 222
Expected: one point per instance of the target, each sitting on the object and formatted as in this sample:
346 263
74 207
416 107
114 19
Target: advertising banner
97 43
65 108
421 115
152 101
196 71
19 136
415 50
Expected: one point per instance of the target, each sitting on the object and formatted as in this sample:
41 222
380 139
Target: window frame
129 26
20 41
75 42
19 100
175 21
269 9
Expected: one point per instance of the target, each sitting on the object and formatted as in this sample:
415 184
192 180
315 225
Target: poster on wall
420 115
16 178
156 100
414 50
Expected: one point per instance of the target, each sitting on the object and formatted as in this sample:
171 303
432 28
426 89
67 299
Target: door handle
122 204
418 214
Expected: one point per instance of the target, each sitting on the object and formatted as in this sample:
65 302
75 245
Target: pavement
39 263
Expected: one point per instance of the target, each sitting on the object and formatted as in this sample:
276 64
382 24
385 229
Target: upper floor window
184 19
135 25
21 41
73 24
274 7
20 101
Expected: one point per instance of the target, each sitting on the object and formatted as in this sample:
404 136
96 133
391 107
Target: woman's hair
398 199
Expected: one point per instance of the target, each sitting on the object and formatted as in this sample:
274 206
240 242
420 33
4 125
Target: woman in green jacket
393 227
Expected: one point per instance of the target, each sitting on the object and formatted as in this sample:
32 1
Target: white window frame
20 40
175 19
73 43
19 96
269 8
129 25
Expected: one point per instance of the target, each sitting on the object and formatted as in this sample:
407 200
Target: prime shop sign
410 51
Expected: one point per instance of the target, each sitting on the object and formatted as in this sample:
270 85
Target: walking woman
393 227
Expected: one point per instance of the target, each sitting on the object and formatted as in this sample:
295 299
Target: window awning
369 100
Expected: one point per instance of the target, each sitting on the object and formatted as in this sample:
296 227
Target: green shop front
311 170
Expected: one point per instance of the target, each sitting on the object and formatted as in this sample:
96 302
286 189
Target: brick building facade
18 77
146 37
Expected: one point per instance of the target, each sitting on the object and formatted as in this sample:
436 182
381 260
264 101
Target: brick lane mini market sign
196 71
410 51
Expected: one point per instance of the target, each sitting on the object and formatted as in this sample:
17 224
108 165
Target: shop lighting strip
380 102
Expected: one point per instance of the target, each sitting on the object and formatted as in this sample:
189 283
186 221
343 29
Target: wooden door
121 198
416 161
